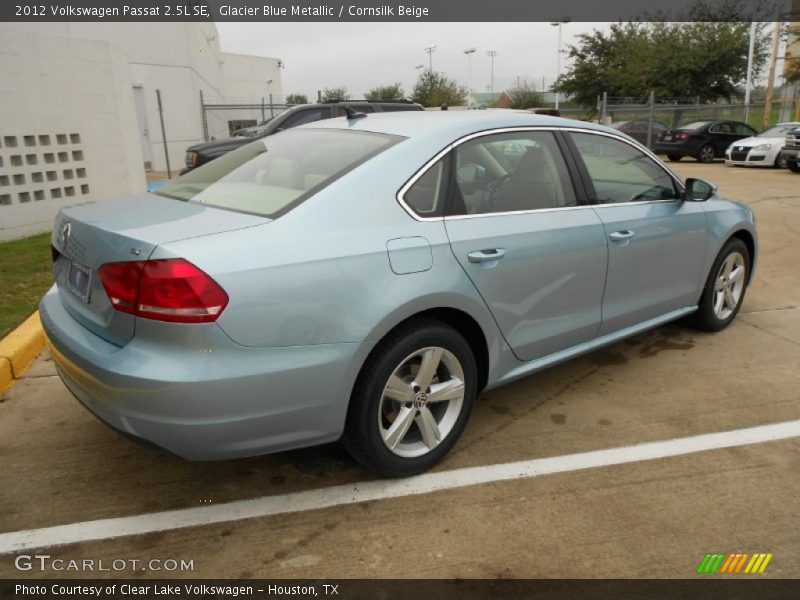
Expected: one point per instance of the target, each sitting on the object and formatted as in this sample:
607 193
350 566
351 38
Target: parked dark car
703 140
791 151
553 112
200 154
638 130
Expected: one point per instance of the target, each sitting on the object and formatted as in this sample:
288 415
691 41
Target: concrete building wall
180 60
67 127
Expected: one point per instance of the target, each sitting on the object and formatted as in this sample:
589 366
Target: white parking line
104 529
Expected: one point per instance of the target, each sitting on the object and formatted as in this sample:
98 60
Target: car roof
454 124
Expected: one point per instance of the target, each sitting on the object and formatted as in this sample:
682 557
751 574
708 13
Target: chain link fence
655 114
221 120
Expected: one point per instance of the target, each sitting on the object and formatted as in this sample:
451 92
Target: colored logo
734 562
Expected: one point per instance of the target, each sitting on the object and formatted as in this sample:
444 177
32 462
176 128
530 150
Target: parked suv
199 154
791 151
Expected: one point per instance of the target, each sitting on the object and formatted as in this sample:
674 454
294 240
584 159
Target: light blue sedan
364 278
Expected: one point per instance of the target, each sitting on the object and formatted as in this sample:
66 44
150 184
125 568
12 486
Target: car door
722 134
534 252
656 241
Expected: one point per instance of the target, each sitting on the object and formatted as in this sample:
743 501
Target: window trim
585 189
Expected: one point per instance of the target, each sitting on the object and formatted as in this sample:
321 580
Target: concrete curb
19 349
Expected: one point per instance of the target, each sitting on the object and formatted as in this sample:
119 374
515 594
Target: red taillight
170 289
683 136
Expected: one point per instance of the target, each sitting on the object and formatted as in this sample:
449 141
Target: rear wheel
412 399
675 157
793 165
706 154
724 291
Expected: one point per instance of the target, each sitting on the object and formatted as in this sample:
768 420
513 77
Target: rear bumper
197 394
682 148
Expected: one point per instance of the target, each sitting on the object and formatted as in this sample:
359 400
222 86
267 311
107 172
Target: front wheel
724 291
706 154
412 399
780 161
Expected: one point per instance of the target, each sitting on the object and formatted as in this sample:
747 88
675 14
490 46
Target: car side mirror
699 190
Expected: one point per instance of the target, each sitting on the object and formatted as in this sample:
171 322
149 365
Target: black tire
675 157
362 437
706 154
780 161
705 318
793 165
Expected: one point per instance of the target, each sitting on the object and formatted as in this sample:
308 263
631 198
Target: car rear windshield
271 176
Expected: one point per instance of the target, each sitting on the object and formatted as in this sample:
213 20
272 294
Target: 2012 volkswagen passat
365 278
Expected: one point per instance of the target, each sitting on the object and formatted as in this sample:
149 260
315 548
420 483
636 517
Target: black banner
359 589
389 10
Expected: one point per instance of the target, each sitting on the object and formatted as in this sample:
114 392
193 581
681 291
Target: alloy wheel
421 402
729 285
706 154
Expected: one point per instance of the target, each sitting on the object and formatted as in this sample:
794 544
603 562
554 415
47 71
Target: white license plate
79 280
667 138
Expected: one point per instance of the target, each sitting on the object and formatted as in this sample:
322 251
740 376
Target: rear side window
399 107
511 172
270 176
305 116
426 196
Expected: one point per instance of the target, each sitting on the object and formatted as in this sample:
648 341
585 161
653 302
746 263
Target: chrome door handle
619 236
484 256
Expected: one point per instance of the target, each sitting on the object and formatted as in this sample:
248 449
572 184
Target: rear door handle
485 256
619 236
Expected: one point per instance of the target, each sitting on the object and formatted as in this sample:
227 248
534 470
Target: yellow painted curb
19 349
6 377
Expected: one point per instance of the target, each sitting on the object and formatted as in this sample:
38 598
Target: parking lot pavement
650 518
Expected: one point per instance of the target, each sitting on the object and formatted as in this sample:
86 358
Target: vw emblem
64 233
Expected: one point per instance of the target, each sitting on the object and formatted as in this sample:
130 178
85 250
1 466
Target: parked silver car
365 278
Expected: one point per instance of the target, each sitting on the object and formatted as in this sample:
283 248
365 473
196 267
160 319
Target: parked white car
762 150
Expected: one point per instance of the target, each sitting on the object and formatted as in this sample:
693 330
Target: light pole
469 52
430 50
753 28
558 53
491 54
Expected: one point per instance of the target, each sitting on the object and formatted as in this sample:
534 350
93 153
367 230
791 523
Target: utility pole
430 50
559 24
491 54
748 83
776 42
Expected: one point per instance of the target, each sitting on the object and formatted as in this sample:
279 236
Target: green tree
523 95
706 60
393 91
296 99
436 89
335 93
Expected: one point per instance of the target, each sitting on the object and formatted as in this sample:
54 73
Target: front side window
511 172
270 176
622 173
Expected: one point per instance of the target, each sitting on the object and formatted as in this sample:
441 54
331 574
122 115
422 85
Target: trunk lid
89 235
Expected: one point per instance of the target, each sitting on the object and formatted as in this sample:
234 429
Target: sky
361 56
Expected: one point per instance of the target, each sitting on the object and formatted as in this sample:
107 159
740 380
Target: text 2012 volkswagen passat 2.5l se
364 278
